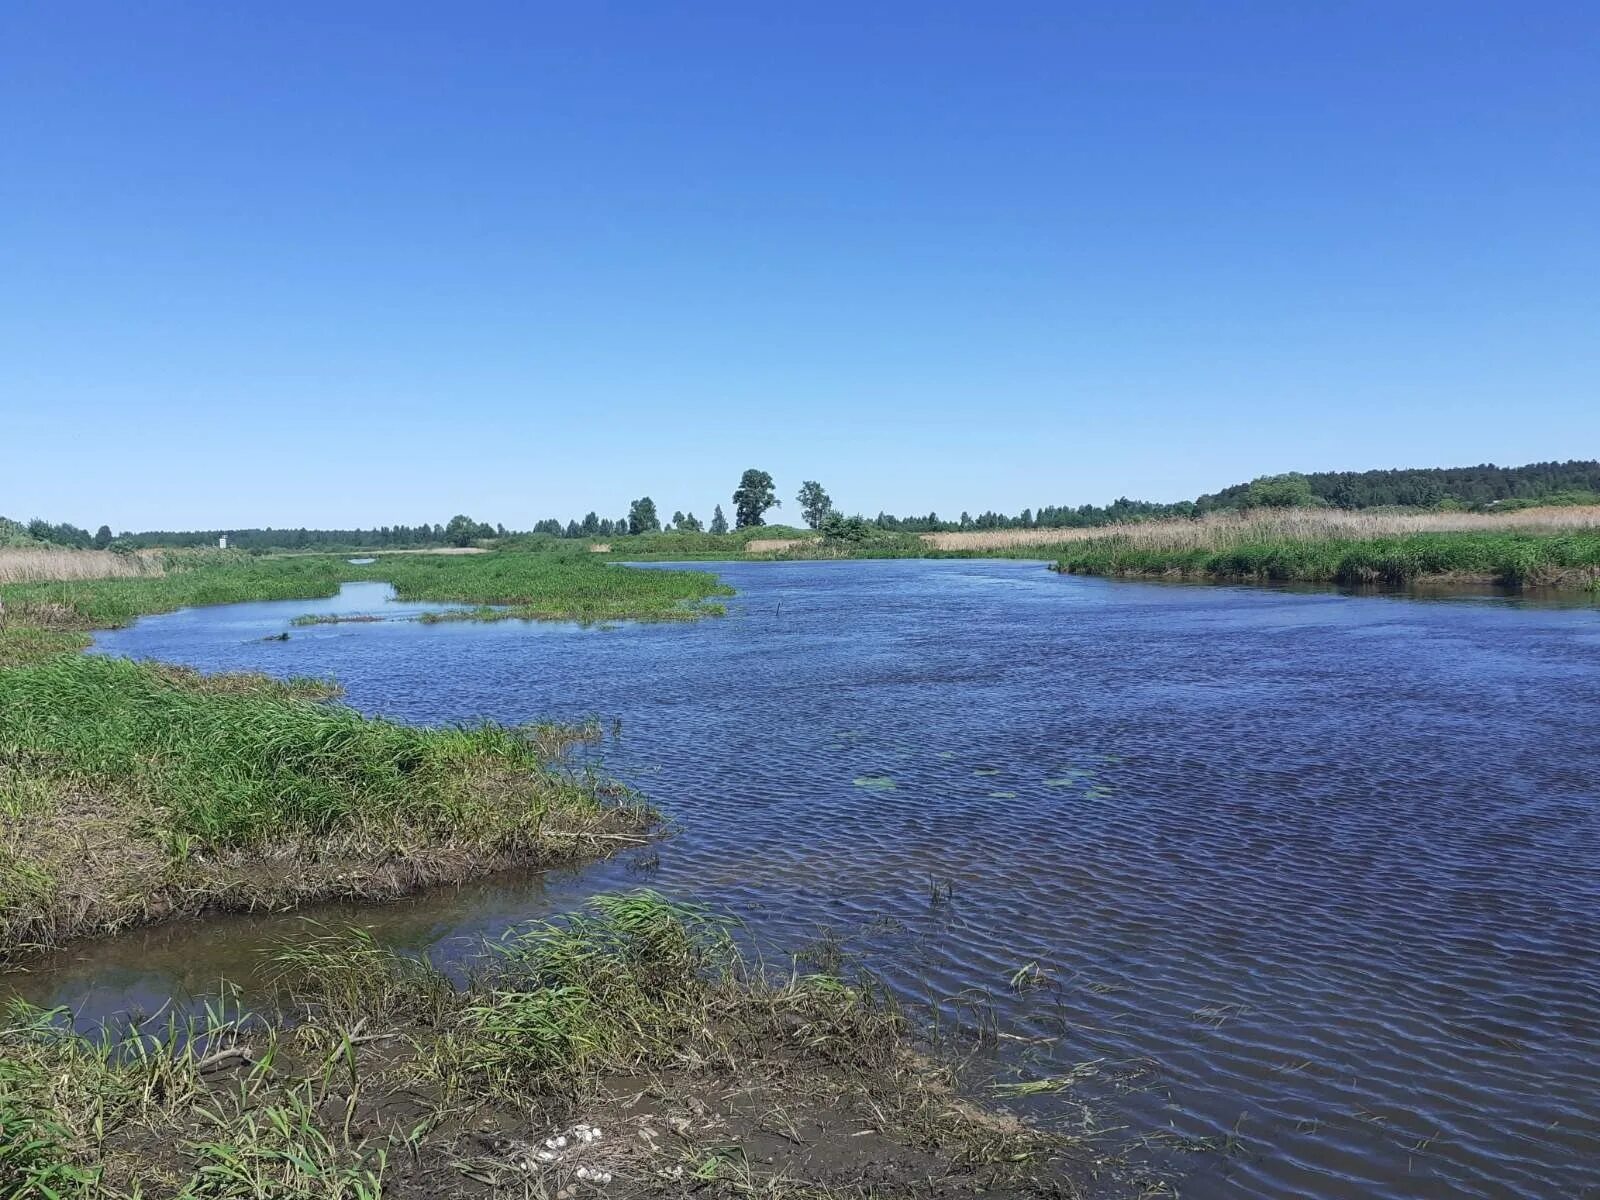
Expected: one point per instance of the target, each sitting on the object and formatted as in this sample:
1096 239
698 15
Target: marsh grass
554 585
1227 530
139 791
1510 557
47 563
707 1072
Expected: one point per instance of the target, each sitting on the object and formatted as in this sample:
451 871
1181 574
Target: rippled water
1312 876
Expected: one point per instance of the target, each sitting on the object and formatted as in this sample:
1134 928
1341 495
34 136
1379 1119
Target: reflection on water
1311 876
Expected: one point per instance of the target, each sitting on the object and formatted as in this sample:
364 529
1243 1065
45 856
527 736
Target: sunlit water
1311 877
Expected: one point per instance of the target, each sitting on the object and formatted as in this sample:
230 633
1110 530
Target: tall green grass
564 583
238 770
1508 558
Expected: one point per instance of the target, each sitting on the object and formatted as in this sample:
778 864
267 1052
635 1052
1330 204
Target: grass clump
638 1017
139 791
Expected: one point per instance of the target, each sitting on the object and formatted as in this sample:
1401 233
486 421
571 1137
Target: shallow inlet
1309 874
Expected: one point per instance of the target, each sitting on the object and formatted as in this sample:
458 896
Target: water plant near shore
639 1018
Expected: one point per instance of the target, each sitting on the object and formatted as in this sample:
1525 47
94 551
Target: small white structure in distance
222 542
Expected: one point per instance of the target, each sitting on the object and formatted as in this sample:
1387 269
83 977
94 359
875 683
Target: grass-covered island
132 792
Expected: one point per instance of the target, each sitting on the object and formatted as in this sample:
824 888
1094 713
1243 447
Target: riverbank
1553 547
630 1050
1504 558
133 792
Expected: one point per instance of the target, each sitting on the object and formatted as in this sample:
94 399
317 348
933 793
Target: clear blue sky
329 264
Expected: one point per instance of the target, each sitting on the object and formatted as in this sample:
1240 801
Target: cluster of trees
1482 486
752 499
1429 487
64 534
460 531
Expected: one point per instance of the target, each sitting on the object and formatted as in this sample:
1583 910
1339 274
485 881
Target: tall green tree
461 530
689 523
1280 491
102 537
814 503
642 516
719 523
752 498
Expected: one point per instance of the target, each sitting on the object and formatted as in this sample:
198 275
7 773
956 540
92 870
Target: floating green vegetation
986 771
385 1077
134 791
1002 795
874 783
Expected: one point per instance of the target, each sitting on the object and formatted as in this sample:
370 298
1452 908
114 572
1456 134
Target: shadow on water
1297 884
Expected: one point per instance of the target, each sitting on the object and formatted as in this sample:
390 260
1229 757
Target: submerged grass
632 1042
134 791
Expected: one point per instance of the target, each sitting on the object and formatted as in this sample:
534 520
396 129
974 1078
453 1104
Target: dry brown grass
1222 530
46 564
774 545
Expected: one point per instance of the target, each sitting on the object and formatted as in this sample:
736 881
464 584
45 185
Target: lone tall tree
719 523
642 516
102 537
752 499
814 503
461 530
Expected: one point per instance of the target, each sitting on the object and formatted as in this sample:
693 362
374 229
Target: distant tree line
1484 486
1470 487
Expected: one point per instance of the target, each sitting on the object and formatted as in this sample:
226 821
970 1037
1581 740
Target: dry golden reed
1220 531
46 564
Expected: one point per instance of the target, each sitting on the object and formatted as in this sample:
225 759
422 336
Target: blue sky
357 264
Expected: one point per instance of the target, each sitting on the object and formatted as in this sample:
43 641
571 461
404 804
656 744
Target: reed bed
48 563
632 1042
1508 557
1220 531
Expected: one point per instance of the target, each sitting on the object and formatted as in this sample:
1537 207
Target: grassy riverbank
133 792
703 1073
1507 558
1556 546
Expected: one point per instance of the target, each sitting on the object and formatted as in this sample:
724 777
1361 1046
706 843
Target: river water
1309 879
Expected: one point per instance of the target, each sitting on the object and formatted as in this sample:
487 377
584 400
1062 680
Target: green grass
135 790
382 1074
1507 558
564 583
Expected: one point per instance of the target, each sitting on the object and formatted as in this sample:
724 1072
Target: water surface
1310 877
